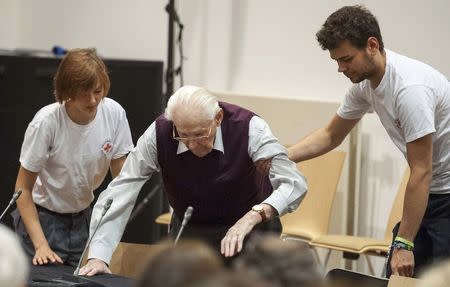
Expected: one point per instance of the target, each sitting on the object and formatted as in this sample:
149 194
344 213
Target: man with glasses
206 152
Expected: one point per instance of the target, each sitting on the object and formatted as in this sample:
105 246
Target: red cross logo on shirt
107 147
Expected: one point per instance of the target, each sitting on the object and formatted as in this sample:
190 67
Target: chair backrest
397 207
322 174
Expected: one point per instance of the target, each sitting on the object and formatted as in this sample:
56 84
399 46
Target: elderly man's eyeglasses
194 138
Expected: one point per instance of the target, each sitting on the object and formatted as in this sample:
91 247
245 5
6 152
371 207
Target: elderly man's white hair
13 262
195 100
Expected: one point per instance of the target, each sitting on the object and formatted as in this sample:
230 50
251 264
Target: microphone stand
170 72
12 201
105 209
186 218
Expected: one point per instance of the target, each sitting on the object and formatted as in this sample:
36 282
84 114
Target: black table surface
62 275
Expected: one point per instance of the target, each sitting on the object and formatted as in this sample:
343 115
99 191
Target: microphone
186 218
15 196
105 209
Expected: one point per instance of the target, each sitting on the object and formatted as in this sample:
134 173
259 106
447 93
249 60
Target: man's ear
373 46
219 117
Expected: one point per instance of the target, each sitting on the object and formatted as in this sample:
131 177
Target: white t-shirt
72 160
412 100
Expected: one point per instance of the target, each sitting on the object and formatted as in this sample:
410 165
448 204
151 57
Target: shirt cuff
277 201
100 251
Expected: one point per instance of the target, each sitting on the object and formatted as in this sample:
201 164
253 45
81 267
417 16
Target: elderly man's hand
233 241
94 266
402 262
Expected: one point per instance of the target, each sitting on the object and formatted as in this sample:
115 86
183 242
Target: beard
367 71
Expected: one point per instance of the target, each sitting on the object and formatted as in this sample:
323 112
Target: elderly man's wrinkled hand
233 241
94 266
402 262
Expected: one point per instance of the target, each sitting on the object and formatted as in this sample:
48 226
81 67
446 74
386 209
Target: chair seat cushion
353 244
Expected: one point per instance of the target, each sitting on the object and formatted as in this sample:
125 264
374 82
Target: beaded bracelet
401 245
407 242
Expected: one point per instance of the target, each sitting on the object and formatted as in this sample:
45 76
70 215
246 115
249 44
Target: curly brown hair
353 23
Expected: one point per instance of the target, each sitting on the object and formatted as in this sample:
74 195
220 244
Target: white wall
9 23
120 29
260 47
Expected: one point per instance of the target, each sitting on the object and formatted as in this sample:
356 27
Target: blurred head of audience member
173 266
280 263
13 262
437 275
230 278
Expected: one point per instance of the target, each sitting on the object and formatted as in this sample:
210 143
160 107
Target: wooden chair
312 218
164 218
129 259
354 246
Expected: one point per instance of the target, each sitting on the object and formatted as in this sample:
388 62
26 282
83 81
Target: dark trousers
432 242
212 234
66 233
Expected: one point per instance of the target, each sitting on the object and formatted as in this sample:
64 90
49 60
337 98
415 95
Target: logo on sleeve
397 124
107 147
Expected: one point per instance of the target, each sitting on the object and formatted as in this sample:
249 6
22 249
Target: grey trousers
66 233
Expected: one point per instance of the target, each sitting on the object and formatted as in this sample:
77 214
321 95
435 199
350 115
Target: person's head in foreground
172 266
13 262
196 114
280 263
231 278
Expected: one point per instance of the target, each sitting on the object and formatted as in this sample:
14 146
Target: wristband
401 245
403 240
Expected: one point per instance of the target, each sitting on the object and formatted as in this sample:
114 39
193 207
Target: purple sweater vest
221 187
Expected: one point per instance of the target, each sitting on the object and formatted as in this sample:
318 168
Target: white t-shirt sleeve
415 108
36 146
354 105
122 141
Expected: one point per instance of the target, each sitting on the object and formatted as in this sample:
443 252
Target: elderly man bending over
206 152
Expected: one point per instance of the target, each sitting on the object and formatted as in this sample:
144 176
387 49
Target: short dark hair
353 23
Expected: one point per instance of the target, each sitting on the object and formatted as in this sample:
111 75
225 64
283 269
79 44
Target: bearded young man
412 101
